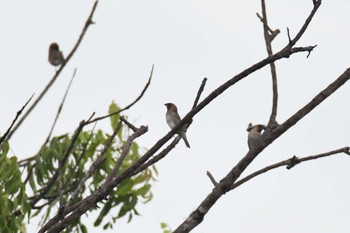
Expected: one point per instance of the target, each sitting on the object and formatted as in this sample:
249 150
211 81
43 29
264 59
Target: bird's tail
183 135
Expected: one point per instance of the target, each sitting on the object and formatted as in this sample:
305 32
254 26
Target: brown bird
55 55
173 118
254 135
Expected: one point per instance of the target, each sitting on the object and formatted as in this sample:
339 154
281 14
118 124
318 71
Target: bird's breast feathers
172 119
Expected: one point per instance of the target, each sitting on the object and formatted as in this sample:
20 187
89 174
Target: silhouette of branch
196 217
199 93
25 161
138 132
60 108
289 163
4 137
269 35
212 179
130 105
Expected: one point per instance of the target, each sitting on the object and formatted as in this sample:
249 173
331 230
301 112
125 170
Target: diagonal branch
196 217
54 78
70 206
289 163
24 162
130 105
61 163
4 137
60 107
138 132
199 93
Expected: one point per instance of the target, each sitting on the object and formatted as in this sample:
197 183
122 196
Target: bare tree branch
268 41
52 81
60 107
130 105
4 137
172 145
196 217
212 179
140 131
131 126
199 93
25 161
289 163
317 4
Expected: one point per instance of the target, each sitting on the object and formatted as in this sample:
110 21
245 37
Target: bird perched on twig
55 55
254 135
173 118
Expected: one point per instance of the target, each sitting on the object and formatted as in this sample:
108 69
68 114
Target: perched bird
173 118
254 135
55 55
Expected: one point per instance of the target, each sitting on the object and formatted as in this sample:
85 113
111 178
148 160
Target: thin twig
4 137
131 126
289 39
199 93
83 153
289 163
212 179
140 131
60 107
157 157
130 105
54 78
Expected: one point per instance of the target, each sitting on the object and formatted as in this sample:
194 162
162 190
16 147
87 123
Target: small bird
254 135
55 55
173 118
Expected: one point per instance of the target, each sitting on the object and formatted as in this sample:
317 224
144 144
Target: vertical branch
269 35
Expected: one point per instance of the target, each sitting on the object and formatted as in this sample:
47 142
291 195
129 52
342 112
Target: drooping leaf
113 108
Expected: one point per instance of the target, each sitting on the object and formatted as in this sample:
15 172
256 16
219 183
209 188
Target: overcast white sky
189 40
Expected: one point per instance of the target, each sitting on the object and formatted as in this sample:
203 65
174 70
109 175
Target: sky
187 41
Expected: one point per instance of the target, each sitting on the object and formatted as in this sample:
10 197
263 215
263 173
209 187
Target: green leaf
83 228
5 147
106 208
125 187
163 225
143 190
106 226
115 118
14 183
130 217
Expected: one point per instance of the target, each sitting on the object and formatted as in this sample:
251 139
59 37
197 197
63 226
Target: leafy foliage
13 199
123 200
165 227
